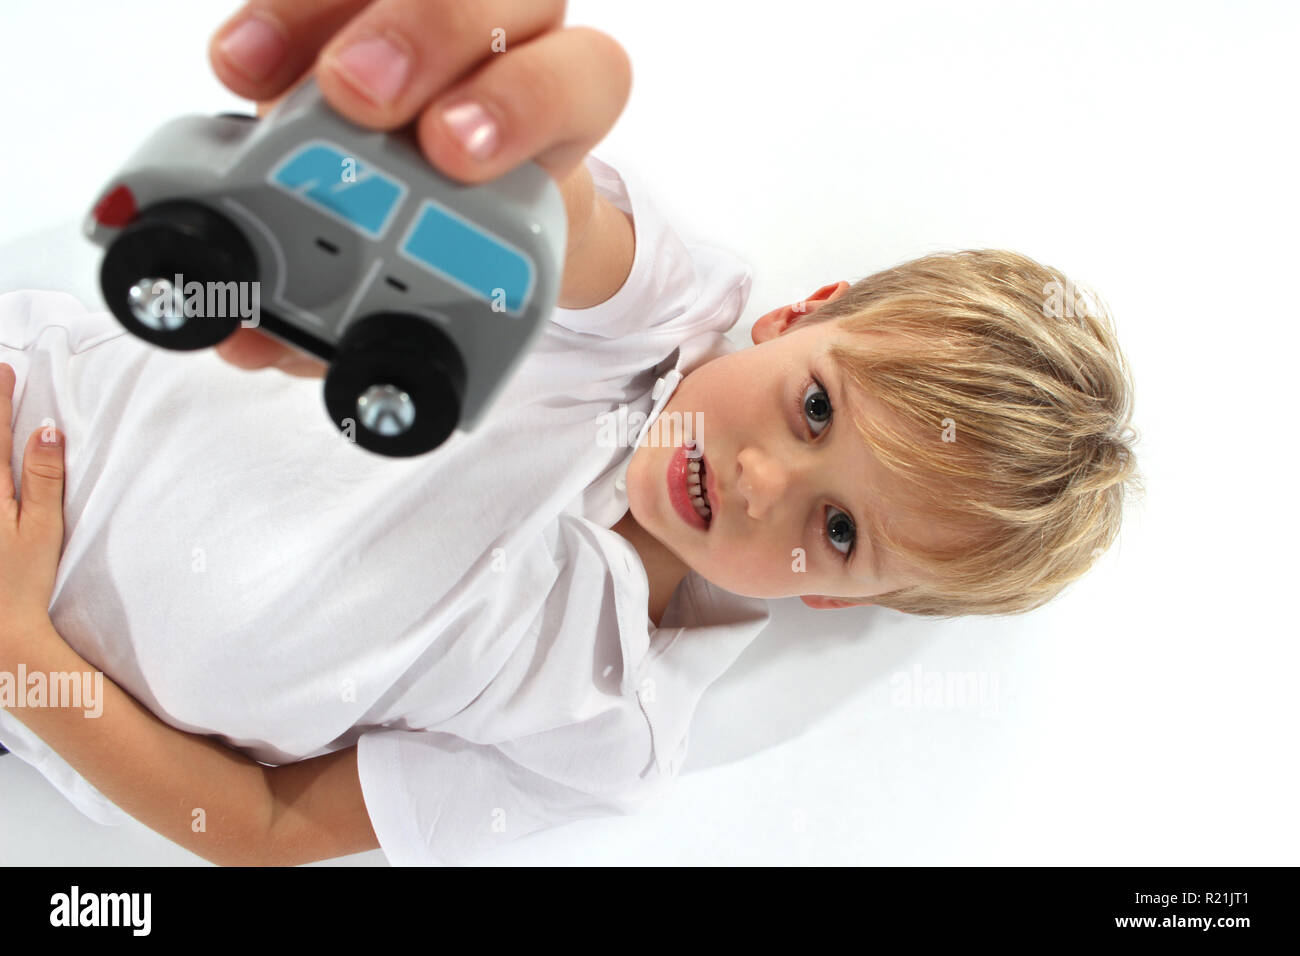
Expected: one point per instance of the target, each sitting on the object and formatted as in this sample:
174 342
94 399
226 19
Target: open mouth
688 486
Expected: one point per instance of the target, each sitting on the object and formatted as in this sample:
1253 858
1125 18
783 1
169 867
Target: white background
1146 716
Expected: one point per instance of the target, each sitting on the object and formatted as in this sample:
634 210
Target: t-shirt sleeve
673 287
437 799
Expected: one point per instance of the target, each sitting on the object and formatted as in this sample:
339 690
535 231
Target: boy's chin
827 603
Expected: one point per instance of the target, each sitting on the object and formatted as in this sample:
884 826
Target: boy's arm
601 245
213 801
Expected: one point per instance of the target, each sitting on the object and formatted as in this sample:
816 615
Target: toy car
420 293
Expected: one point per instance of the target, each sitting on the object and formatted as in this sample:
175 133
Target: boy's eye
839 530
816 407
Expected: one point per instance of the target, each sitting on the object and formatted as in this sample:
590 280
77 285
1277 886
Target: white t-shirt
466 618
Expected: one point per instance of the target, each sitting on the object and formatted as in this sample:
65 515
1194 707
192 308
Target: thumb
41 494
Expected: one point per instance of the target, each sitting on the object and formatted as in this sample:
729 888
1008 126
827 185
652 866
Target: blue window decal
341 185
482 264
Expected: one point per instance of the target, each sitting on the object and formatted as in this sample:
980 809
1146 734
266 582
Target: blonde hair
1014 400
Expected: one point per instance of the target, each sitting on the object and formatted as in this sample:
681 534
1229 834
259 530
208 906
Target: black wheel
396 385
179 238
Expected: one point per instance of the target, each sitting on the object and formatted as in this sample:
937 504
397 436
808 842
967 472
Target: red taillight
117 208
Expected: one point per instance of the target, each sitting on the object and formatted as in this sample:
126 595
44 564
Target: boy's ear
821 601
772 324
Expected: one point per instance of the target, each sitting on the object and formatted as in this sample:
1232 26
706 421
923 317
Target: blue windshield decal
482 264
341 185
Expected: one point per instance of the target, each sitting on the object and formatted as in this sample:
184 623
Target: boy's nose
763 481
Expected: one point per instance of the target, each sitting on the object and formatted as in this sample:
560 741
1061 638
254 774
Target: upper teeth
693 485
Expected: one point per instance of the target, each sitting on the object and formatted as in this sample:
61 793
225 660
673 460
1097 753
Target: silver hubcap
386 410
153 302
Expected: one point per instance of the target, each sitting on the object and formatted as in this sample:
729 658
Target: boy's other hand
489 86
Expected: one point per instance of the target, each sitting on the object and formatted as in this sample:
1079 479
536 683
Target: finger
269 44
397 55
265 106
7 379
551 100
300 367
249 349
41 496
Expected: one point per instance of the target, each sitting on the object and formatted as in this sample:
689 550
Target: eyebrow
821 368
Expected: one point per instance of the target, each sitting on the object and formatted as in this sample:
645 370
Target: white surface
1146 716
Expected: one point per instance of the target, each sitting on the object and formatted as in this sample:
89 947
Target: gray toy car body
422 294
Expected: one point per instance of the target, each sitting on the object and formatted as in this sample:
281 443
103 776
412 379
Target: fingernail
51 438
377 66
254 48
474 127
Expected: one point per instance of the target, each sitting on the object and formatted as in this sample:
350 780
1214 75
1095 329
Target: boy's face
789 477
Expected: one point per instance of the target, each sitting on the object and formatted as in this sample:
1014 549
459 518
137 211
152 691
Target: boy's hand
31 530
544 92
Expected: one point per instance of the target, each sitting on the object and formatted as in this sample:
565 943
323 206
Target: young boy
312 652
